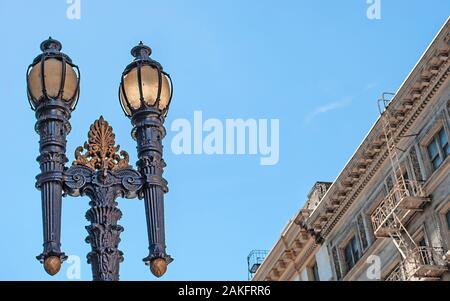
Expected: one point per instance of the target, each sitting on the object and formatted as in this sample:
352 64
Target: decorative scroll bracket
103 175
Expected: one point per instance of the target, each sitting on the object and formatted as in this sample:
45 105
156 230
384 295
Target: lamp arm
52 126
149 133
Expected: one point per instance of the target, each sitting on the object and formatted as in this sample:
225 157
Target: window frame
312 271
365 229
437 157
445 229
433 137
421 239
421 235
446 146
351 242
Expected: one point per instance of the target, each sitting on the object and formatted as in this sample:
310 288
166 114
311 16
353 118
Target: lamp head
144 84
53 76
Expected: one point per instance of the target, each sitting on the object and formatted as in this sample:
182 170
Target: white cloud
337 104
371 86
328 108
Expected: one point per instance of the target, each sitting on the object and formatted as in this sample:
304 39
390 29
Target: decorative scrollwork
75 179
131 180
101 151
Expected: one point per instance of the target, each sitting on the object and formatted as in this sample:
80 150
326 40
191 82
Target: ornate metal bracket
103 176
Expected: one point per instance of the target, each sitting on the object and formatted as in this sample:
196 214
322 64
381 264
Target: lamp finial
141 51
51 45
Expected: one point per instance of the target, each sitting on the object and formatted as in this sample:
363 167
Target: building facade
387 215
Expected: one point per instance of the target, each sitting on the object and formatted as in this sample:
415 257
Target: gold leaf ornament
101 153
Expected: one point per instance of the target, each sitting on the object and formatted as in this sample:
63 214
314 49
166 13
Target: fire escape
392 215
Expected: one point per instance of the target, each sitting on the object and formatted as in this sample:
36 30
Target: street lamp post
145 93
99 170
53 90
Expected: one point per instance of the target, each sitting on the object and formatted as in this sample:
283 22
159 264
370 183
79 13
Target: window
406 175
447 216
337 266
422 242
362 231
352 253
316 272
313 272
424 254
408 183
389 184
438 149
444 142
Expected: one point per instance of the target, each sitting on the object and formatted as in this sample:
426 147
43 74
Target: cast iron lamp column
100 170
145 93
53 89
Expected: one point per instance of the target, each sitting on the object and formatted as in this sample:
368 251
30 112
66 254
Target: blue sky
317 66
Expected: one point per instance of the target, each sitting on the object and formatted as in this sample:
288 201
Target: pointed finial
52 265
51 45
141 51
158 267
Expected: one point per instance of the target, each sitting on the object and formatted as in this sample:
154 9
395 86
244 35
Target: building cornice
421 98
428 75
414 94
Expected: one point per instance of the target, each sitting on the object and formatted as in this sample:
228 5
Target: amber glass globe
144 84
52 75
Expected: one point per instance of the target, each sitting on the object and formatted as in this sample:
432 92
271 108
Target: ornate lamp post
53 88
145 93
100 173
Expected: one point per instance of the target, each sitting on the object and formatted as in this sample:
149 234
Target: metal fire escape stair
390 217
401 238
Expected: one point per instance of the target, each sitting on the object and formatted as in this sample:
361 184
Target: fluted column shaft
149 133
52 126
